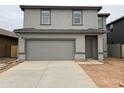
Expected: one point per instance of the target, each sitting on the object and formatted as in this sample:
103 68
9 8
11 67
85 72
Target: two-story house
62 33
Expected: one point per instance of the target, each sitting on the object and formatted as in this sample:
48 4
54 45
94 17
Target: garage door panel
50 50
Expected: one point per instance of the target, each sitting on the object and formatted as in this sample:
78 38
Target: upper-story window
76 17
45 17
100 22
111 27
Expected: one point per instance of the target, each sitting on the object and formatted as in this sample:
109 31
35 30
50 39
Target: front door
91 47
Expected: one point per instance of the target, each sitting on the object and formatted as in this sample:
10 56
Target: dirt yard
6 63
107 75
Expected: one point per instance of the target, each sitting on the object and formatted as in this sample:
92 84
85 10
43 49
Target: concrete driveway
47 74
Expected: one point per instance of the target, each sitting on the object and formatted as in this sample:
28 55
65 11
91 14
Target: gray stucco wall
60 19
104 23
104 37
79 43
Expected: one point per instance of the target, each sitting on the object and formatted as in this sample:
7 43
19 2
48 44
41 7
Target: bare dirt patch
7 63
107 75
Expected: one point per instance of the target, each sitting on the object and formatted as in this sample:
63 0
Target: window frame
111 28
101 23
81 19
41 23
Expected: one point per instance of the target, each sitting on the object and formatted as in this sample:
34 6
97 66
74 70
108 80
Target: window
45 17
76 17
111 30
100 22
111 26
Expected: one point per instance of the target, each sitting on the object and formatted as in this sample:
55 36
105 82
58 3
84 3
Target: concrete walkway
47 74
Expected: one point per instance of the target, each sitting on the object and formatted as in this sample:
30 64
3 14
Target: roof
59 31
116 20
7 33
61 7
103 14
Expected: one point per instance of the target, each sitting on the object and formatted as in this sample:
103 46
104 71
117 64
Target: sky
11 16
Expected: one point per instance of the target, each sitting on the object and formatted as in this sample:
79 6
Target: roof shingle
7 33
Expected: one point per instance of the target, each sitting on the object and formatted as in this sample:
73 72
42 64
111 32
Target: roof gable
116 20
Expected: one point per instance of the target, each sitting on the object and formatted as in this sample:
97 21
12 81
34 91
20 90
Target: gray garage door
49 50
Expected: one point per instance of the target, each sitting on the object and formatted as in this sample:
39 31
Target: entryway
91 47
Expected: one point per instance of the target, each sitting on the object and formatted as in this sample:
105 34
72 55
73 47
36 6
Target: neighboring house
62 33
116 38
7 41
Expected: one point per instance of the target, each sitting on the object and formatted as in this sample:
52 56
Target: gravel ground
107 75
6 63
6 60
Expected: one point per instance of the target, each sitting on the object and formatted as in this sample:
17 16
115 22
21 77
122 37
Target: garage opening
38 50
